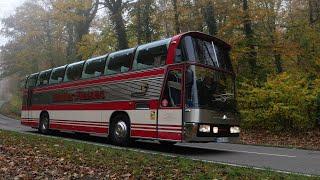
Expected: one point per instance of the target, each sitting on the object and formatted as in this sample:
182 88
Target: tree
314 11
77 16
115 8
210 18
251 55
176 16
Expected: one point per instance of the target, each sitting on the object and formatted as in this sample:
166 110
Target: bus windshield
209 89
203 52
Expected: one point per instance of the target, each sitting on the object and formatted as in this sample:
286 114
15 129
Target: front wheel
120 130
44 125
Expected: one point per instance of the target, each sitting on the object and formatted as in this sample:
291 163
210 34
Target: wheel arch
44 113
116 113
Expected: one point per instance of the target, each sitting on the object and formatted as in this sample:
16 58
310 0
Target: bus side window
57 75
44 78
32 80
73 72
151 55
93 68
119 62
172 91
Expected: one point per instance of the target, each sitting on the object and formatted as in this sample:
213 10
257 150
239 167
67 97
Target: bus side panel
87 121
87 107
169 127
27 117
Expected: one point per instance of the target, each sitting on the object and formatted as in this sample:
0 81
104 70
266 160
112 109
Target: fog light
235 130
215 130
204 128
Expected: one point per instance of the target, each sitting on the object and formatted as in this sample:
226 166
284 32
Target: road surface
272 158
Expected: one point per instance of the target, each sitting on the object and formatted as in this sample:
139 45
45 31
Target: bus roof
204 36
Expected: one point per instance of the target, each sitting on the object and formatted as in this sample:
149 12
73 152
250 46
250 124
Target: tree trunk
176 16
115 7
250 42
139 21
278 62
147 20
210 18
120 31
314 11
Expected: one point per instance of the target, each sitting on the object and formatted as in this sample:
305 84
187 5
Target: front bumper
192 134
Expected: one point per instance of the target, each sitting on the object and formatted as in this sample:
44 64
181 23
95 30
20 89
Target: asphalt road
278 159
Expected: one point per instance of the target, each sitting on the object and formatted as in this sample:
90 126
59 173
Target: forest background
276 47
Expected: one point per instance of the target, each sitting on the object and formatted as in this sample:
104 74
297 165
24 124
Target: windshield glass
204 52
209 89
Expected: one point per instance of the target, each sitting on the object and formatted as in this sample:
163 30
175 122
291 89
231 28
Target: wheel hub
121 129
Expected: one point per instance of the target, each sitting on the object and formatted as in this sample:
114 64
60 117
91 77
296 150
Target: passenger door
169 124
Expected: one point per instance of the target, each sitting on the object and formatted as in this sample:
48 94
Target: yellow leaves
71 11
284 102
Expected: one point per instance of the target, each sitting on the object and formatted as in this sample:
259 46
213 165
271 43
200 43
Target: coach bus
180 89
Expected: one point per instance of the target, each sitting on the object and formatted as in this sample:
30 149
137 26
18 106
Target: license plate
222 140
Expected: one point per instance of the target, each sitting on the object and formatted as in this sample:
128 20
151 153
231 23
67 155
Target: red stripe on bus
78 122
87 129
104 79
170 136
141 133
30 123
123 105
171 129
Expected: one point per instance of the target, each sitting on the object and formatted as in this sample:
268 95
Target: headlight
204 128
215 130
235 130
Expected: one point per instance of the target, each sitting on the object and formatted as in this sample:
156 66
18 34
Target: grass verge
36 157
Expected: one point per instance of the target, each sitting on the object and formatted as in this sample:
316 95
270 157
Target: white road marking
259 153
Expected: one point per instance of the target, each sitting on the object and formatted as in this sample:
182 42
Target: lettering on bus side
78 96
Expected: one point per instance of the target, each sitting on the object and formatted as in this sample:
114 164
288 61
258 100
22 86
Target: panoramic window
119 62
57 75
151 55
204 52
44 78
94 67
172 92
73 72
32 80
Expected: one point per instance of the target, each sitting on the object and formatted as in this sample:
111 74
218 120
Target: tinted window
94 67
204 52
172 92
32 80
73 72
119 62
209 89
151 55
57 75
44 78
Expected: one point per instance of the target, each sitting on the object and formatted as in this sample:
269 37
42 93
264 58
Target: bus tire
120 130
44 124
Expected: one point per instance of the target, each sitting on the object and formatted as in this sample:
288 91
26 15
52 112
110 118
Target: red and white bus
180 89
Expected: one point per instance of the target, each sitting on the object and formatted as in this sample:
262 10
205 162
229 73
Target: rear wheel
120 130
44 125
